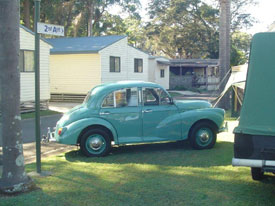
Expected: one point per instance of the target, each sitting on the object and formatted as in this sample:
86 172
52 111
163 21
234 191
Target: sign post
37 87
40 28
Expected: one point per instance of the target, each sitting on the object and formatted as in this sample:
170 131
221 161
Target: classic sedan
129 112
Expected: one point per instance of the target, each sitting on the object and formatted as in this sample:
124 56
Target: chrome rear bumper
253 163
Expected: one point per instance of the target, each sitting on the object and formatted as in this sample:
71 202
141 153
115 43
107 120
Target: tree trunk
224 48
69 18
90 18
14 178
27 13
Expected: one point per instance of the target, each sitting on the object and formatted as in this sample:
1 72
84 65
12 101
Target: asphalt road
28 127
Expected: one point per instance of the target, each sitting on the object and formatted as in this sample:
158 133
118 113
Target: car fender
74 129
189 118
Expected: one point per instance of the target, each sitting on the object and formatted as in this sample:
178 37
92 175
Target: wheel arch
209 121
96 126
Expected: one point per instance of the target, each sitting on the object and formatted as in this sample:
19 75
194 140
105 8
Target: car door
122 108
160 117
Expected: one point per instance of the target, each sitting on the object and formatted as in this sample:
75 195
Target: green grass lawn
42 113
156 174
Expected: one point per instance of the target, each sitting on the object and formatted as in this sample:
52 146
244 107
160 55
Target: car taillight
59 131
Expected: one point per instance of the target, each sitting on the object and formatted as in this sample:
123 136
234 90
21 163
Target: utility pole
37 87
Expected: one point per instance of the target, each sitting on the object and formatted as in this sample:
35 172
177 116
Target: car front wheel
202 136
95 142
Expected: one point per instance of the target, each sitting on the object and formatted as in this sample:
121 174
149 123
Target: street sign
50 29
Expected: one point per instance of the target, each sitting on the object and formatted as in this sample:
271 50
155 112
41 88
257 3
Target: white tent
237 79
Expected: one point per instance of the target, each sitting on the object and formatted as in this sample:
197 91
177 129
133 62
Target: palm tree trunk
14 178
27 13
224 47
90 18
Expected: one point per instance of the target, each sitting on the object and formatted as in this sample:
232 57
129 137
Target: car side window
108 101
132 97
126 97
164 97
150 96
122 98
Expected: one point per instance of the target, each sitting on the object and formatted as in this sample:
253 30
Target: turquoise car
129 112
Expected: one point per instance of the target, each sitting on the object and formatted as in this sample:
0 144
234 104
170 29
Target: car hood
185 105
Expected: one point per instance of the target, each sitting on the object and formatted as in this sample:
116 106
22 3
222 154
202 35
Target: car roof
127 84
100 91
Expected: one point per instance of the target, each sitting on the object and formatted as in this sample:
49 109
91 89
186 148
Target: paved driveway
28 134
28 127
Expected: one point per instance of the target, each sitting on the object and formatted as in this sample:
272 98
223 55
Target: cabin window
162 73
114 64
26 61
138 65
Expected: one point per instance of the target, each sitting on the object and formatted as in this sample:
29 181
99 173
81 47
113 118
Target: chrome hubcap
204 136
95 143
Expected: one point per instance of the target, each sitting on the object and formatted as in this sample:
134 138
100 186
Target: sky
264 13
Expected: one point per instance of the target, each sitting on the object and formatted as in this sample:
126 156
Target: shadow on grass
152 174
116 183
169 154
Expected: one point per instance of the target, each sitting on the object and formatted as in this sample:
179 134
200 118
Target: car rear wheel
95 142
202 136
257 173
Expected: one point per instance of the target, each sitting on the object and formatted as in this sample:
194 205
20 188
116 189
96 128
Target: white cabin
26 66
159 72
79 64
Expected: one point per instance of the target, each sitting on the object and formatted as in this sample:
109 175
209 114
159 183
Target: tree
240 45
190 28
131 26
26 10
183 29
240 18
60 12
80 18
224 47
14 178
94 10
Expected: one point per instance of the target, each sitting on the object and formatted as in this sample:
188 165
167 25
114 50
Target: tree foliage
190 28
183 29
80 18
176 29
239 48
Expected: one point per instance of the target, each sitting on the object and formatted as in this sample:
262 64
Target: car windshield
88 97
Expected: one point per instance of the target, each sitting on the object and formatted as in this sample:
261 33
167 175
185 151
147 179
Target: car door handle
104 113
147 111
